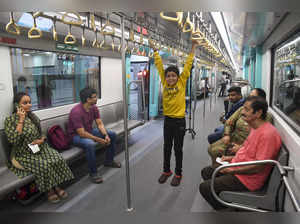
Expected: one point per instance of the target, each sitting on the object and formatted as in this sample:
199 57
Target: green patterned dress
237 129
47 165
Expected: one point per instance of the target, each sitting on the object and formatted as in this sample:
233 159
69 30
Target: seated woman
50 170
236 130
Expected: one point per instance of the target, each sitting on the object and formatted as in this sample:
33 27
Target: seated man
235 97
236 130
83 135
262 143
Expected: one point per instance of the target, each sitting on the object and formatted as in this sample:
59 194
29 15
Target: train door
138 88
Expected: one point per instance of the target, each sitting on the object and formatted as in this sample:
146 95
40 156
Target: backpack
57 138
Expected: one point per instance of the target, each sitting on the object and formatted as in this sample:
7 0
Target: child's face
171 78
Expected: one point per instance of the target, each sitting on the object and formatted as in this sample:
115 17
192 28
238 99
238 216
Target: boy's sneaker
164 176
176 180
96 178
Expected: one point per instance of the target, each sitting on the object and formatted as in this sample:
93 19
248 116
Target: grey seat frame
263 200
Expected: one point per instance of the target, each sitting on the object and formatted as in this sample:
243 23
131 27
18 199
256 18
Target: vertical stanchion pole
125 110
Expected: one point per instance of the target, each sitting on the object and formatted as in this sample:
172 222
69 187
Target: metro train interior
52 56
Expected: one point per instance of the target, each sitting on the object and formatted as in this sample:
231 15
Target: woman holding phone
23 131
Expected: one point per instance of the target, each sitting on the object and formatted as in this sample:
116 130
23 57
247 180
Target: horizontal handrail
282 169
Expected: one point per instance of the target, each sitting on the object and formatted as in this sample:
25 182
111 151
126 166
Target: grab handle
12 27
70 22
31 34
70 39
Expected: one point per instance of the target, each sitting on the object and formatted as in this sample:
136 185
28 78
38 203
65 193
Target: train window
286 80
53 78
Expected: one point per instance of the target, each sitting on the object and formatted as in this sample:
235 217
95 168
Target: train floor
146 152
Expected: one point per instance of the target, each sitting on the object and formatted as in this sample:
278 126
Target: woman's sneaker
176 180
164 176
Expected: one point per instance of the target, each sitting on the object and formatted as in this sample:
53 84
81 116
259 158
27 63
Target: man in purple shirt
80 128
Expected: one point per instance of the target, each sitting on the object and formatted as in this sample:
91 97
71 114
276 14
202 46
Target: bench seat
112 117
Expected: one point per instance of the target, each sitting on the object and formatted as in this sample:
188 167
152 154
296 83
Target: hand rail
282 170
12 24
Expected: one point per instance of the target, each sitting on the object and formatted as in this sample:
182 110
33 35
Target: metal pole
125 111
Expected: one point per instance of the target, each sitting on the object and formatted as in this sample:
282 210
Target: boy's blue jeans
89 146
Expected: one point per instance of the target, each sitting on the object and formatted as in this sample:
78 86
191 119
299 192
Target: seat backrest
273 185
119 111
107 114
5 148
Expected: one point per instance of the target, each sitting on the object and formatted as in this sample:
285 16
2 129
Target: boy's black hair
236 89
86 93
172 68
258 103
260 92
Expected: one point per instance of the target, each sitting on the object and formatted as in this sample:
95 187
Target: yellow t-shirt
174 96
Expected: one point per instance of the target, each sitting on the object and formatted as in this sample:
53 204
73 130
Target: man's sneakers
176 180
96 178
164 176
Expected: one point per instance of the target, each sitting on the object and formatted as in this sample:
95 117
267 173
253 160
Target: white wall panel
111 80
6 88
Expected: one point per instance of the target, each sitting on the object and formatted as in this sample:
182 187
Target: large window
286 80
51 78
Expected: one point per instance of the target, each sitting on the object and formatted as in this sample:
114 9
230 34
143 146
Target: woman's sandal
53 198
61 193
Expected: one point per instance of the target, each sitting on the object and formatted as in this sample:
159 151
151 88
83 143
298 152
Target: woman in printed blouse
48 167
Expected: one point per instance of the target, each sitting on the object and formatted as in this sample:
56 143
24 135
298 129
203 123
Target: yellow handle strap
93 25
12 27
180 18
107 24
34 29
189 24
70 39
169 18
54 30
31 34
96 43
82 37
72 22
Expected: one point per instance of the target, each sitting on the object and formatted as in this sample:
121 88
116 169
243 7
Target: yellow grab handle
55 35
93 25
35 36
102 45
82 40
169 18
131 35
107 24
37 14
12 27
188 23
96 43
71 22
180 17
70 36
141 38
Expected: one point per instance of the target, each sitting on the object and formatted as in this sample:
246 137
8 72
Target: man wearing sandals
83 135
